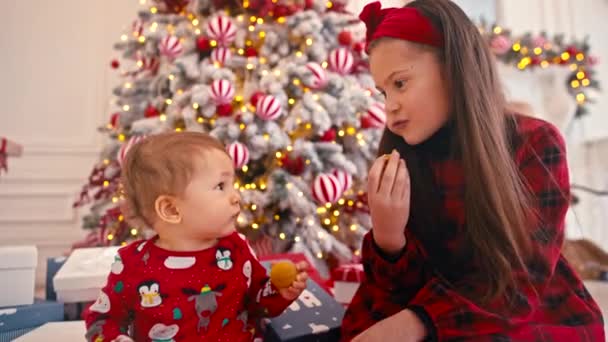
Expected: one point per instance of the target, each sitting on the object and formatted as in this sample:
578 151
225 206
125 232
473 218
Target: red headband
405 23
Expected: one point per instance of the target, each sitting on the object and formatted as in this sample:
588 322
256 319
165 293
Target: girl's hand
388 191
299 285
404 326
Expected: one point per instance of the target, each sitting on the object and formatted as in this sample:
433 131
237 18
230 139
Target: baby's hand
299 285
122 338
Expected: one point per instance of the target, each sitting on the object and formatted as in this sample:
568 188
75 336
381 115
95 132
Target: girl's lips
400 123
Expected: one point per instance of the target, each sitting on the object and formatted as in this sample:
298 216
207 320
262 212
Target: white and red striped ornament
124 149
221 55
137 27
147 63
239 154
221 29
170 46
345 179
326 188
221 91
269 108
341 60
376 115
319 76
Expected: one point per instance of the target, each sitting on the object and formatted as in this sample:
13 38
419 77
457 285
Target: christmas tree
284 84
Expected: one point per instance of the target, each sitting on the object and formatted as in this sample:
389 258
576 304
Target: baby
197 279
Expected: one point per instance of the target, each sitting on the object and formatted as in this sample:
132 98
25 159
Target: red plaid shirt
563 310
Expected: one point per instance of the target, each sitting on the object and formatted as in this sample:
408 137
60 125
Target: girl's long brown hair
496 200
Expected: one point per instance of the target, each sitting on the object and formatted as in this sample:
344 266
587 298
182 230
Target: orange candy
283 274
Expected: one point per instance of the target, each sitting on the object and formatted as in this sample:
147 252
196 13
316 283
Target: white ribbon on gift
357 268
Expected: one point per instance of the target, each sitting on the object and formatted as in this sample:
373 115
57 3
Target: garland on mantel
538 51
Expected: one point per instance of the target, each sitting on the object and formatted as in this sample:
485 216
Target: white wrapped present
346 281
84 274
17 275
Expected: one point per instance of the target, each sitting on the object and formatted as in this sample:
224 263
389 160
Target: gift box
346 281
52 267
314 316
17 275
56 331
83 274
29 316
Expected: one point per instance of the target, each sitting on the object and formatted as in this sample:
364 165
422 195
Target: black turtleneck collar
440 145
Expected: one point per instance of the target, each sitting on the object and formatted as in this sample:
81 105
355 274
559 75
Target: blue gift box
30 316
314 317
52 267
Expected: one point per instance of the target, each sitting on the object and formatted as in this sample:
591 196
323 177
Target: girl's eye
399 84
220 186
383 93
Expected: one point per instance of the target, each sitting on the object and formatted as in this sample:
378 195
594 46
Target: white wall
54 91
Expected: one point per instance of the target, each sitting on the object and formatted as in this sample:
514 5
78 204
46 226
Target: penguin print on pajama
223 259
149 293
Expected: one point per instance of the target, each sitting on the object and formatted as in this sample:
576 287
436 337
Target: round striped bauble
341 60
170 46
239 154
319 76
326 188
221 55
269 108
376 115
221 29
345 179
124 149
221 91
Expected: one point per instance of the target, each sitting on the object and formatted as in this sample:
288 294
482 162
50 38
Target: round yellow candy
283 274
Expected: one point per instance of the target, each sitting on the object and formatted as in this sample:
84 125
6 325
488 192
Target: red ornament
345 38
256 97
281 11
250 51
329 135
359 47
535 60
367 122
114 119
309 4
151 112
203 44
115 64
572 50
174 6
294 166
224 109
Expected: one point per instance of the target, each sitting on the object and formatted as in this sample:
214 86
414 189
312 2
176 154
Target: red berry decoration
345 38
294 166
151 112
251 52
281 11
115 64
255 98
359 47
367 122
114 119
224 109
203 44
329 135
572 50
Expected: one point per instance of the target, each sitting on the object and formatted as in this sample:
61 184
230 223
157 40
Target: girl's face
416 95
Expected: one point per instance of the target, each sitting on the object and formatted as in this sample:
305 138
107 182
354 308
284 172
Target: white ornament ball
269 108
345 179
170 46
124 149
326 188
319 76
341 60
239 154
221 91
377 115
221 29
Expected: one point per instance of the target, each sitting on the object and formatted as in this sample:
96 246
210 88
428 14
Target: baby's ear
166 209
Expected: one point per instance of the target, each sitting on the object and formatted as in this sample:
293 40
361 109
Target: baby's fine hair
161 164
